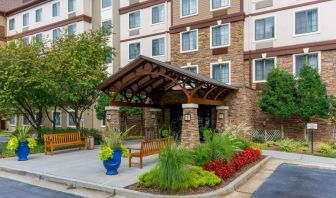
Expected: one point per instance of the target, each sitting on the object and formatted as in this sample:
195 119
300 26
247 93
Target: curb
136 194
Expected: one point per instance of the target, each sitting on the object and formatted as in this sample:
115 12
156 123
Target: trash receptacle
90 140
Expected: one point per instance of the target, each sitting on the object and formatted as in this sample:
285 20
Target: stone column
152 119
222 120
190 130
113 117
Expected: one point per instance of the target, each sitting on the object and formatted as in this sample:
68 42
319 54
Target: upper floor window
306 21
191 68
107 26
106 3
311 60
158 47
158 14
38 15
56 9
109 57
134 50
72 29
189 7
189 41
134 20
71 5
264 28
220 36
221 72
262 67
56 34
25 19
219 4
11 25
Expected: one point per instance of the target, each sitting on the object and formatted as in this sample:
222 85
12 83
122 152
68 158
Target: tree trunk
282 129
53 119
305 132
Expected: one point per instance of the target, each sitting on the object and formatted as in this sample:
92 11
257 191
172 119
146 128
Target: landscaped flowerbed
205 168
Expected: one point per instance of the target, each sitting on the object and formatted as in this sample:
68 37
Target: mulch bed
191 191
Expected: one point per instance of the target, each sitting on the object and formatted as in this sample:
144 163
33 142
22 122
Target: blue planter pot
22 151
112 164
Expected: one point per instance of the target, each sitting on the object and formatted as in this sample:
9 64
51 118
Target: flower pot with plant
21 144
112 151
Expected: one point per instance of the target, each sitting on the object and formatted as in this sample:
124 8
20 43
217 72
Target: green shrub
288 145
325 149
258 138
164 131
149 179
207 134
241 143
105 153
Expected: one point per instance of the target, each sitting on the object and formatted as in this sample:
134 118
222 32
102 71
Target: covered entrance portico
170 95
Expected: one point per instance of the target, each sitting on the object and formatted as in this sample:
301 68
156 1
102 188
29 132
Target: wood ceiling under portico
145 82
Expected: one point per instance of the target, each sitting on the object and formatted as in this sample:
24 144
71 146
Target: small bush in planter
21 143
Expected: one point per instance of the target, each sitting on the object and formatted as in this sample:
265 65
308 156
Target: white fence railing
266 135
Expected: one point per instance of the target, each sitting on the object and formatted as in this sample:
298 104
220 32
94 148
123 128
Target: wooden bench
147 148
52 141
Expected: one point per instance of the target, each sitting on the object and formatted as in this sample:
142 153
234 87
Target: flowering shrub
105 153
225 170
31 143
13 144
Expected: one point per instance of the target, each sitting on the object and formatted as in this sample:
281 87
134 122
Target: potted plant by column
112 151
21 144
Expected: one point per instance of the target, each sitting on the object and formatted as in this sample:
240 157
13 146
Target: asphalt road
292 181
14 189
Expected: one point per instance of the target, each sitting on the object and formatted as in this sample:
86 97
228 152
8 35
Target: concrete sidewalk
300 157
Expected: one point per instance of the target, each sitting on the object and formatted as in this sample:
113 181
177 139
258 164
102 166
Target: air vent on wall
134 32
263 4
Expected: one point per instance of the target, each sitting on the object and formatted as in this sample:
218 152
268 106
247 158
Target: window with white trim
56 117
11 24
72 29
71 119
262 67
158 47
38 15
39 37
312 60
12 121
189 41
25 121
107 26
56 33
264 28
134 50
219 4
25 19
158 14
134 19
56 9
26 40
191 68
106 3
306 21
71 5
221 72
109 57
189 7
220 36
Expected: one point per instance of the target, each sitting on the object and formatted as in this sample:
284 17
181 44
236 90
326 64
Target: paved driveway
14 189
293 181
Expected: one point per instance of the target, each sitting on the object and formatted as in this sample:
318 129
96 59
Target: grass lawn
5 134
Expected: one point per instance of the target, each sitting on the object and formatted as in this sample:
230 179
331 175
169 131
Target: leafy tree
278 96
102 102
79 63
312 99
332 110
25 80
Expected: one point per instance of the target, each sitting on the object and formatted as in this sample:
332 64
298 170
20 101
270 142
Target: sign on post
312 127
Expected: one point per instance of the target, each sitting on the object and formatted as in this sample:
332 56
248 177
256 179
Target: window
262 67
189 41
306 21
38 15
158 14
11 24
109 57
158 47
25 121
71 119
264 28
56 117
106 3
107 26
26 40
56 9
134 50
189 7
219 4
71 5
134 20
103 123
220 36
311 60
191 68
12 121
221 72
25 19
72 29
56 34
39 37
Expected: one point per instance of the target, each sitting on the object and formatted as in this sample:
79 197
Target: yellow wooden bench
52 141
147 148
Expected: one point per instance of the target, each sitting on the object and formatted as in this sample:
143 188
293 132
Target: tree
312 99
332 110
278 95
24 79
79 63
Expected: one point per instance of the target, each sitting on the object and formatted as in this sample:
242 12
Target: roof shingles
7 5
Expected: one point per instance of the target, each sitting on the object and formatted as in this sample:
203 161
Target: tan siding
203 11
